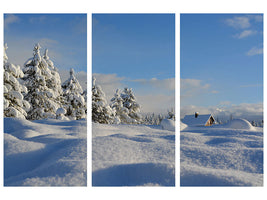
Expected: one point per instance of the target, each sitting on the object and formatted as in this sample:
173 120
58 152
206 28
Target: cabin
199 120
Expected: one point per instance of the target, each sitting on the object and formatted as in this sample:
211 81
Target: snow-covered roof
201 120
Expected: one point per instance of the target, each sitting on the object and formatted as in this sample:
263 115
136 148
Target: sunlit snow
222 155
45 152
132 155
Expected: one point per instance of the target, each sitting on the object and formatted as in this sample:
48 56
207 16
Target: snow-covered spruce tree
42 94
55 81
171 114
101 111
121 112
152 118
75 104
14 104
129 102
84 94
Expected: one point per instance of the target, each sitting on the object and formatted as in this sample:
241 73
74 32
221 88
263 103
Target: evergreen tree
122 113
171 114
84 94
101 111
126 107
74 102
54 82
129 102
42 95
14 103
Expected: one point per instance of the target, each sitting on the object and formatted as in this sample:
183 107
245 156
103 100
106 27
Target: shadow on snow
135 175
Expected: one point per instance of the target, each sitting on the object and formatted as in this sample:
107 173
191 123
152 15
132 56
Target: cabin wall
209 122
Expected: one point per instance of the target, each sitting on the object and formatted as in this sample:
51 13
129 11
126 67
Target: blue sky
64 35
221 59
137 51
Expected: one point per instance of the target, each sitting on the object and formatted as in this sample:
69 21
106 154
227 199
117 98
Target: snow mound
222 155
239 124
61 111
168 124
182 126
132 155
45 152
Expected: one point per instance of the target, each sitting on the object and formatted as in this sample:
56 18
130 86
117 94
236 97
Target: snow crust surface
222 155
132 155
45 152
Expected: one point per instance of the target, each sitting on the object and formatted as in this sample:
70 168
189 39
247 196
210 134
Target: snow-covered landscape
45 131
45 152
221 155
132 155
128 148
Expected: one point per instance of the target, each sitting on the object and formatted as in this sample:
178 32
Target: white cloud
245 33
238 22
109 83
156 103
150 101
10 19
214 92
255 51
167 84
193 87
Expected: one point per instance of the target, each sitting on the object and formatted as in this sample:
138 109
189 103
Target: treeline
35 91
122 108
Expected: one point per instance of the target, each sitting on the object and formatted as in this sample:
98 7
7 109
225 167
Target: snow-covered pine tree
152 118
121 112
14 104
84 94
171 114
42 94
101 111
55 81
75 104
129 102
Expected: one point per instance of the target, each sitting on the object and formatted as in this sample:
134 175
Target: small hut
199 120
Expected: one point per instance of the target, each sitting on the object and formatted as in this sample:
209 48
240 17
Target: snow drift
132 155
168 124
45 152
238 124
223 155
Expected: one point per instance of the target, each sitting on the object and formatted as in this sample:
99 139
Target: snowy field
45 152
132 155
222 155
